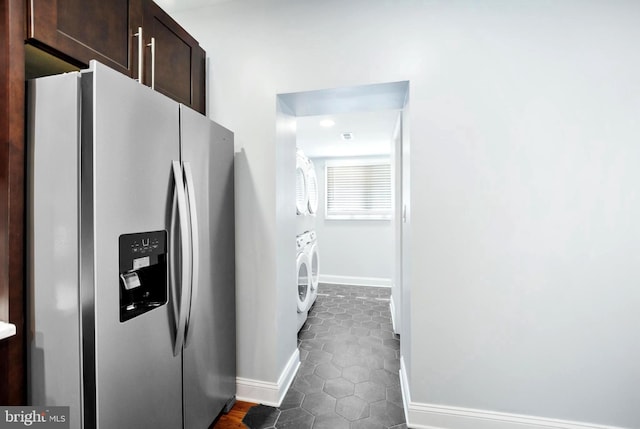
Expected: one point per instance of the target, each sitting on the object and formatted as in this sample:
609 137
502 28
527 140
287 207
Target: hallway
348 376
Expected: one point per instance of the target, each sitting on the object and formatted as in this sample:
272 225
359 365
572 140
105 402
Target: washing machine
304 279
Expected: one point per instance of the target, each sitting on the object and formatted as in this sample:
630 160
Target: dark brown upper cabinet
81 30
175 65
122 34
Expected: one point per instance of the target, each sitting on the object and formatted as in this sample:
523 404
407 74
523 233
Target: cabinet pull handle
153 62
140 52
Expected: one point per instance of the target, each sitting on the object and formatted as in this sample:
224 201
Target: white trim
404 388
431 416
392 309
7 330
356 281
265 392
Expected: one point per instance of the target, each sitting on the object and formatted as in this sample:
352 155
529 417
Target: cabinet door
178 62
82 30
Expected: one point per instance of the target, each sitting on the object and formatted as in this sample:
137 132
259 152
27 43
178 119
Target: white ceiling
372 134
372 130
170 6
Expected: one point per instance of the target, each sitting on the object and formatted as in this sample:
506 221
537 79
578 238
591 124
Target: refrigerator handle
195 257
152 45
140 53
185 258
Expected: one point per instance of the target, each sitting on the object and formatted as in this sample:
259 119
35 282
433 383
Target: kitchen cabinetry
176 66
81 30
109 31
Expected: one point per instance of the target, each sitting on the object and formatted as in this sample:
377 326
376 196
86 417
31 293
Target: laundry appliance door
314 265
312 188
301 191
304 282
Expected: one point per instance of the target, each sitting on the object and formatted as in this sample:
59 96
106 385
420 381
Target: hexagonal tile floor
348 377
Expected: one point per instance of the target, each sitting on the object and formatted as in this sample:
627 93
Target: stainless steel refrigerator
131 265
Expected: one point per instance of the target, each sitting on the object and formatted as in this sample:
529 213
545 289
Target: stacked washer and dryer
307 258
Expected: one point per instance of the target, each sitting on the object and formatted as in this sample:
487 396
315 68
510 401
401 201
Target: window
358 190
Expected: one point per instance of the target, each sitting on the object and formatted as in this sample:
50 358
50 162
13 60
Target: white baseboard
427 416
356 281
268 393
404 388
392 309
430 416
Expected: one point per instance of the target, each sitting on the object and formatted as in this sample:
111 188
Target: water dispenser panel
143 272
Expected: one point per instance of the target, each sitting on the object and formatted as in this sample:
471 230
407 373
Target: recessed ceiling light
327 123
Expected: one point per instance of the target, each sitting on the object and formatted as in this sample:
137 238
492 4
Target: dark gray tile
308 384
393 343
325 315
359 331
318 356
368 423
352 408
387 413
384 377
392 365
339 387
349 364
374 362
328 371
317 329
379 333
370 391
344 360
261 417
306 368
292 399
370 341
343 316
394 395
295 418
330 421
306 335
356 373
333 346
311 344
383 352
319 403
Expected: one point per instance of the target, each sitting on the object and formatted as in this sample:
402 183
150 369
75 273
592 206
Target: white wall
524 185
359 249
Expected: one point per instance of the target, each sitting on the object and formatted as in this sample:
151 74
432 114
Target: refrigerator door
130 138
209 354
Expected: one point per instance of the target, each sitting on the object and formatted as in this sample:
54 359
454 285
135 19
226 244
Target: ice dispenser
143 273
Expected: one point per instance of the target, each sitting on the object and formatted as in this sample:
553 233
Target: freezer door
209 368
130 138
52 230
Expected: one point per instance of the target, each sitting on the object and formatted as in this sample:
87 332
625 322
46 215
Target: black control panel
143 272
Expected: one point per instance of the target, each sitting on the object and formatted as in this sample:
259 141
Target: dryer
302 196
311 181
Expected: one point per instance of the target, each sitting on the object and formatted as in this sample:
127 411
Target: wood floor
233 420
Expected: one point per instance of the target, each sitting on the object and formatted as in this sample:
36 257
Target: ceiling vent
347 136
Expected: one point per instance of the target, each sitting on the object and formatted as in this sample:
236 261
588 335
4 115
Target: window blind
358 191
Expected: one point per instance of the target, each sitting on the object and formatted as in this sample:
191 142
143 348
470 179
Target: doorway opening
351 145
